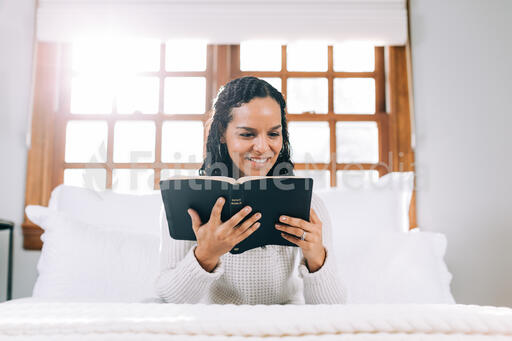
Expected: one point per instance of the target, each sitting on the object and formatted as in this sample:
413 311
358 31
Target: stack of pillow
103 246
380 259
97 246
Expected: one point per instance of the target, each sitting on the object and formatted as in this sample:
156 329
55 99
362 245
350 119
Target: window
122 115
334 93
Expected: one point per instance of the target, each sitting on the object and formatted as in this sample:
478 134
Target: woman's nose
260 144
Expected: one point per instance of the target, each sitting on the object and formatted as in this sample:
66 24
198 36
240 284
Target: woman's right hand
216 238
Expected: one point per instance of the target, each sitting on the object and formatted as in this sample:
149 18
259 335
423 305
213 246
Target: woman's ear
222 139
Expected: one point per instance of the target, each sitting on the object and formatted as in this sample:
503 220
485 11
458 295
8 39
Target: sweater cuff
326 269
322 286
192 266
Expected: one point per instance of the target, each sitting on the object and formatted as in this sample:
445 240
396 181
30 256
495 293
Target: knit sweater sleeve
181 278
324 285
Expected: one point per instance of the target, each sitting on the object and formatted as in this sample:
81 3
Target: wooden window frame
51 112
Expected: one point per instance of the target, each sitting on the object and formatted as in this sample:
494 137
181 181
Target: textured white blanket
148 321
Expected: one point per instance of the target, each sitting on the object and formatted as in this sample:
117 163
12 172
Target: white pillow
106 262
80 261
394 267
375 206
137 213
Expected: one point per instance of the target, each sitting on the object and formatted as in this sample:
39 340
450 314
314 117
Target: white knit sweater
269 275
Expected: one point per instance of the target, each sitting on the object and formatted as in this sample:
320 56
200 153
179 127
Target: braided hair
232 95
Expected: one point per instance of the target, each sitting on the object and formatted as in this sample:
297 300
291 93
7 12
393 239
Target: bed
100 257
29 320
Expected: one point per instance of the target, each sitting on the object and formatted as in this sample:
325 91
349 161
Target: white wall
16 36
462 77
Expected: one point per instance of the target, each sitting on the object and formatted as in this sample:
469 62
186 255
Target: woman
248 136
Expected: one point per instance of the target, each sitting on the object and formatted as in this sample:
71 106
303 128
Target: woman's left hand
307 235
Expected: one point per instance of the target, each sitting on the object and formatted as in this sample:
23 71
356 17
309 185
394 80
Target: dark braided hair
232 95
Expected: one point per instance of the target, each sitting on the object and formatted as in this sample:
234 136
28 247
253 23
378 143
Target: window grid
380 116
52 86
65 115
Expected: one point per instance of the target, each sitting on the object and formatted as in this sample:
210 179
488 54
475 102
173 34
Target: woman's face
254 136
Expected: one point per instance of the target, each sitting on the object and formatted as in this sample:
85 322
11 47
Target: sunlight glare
358 142
185 55
260 56
94 132
309 141
354 95
134 141
307 56
182 141
138 94
355 56
116 55
185 95
133 181
92 178
92 94
101 67
307 95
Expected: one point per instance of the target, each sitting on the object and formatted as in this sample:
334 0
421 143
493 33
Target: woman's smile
258 162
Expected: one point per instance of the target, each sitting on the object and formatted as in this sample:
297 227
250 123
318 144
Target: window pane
116 55
138 94
357 142
356 179
92 178
182 141
139 55
306 56
91 95
167 173
185 55
260 56
134 181
354 95
134 141
354 57
307 94
321 179
185 95
86 141
309 141
274 81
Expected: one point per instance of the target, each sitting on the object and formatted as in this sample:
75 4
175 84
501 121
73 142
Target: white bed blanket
27 320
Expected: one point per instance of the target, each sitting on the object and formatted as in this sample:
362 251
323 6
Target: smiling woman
248 136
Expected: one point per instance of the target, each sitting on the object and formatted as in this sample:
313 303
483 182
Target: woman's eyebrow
252 129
